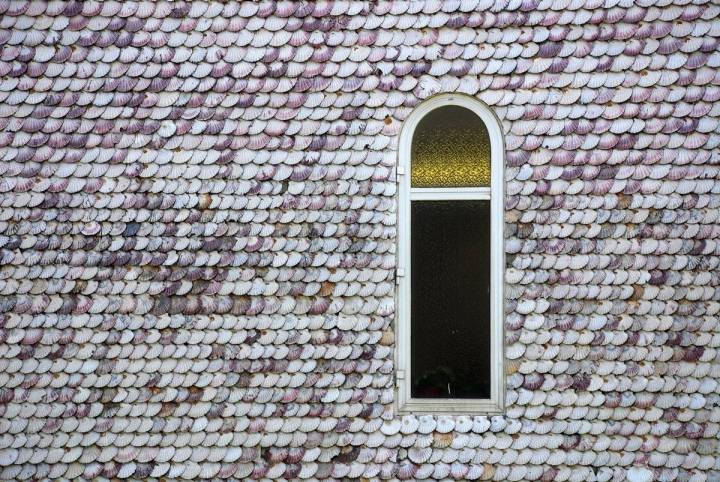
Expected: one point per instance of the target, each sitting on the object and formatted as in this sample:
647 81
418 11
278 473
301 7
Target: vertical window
450 264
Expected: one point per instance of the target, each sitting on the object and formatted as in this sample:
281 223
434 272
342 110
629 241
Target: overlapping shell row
198 231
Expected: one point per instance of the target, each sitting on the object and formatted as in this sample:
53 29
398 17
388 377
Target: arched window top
450 148
451 142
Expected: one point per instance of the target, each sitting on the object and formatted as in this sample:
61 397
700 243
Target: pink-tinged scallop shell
406 471
459 471
441 471
419 455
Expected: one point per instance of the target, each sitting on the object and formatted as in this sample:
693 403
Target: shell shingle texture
198 228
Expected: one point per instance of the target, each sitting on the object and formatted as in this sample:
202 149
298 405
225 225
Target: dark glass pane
450 290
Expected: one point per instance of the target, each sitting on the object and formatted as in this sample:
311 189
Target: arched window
450 259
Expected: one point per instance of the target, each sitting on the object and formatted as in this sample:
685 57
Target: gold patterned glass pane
450 148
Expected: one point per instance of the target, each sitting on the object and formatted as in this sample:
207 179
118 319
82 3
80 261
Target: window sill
450 407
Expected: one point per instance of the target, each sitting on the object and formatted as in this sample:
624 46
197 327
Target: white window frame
495 193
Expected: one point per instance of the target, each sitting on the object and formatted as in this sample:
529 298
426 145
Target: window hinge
399 273
399 375
399 171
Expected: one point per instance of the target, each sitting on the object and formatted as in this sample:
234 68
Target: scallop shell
444 425
409 425
419 455
463 424
426 424
406 471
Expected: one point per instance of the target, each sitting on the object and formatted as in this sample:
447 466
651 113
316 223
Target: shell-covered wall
198 228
